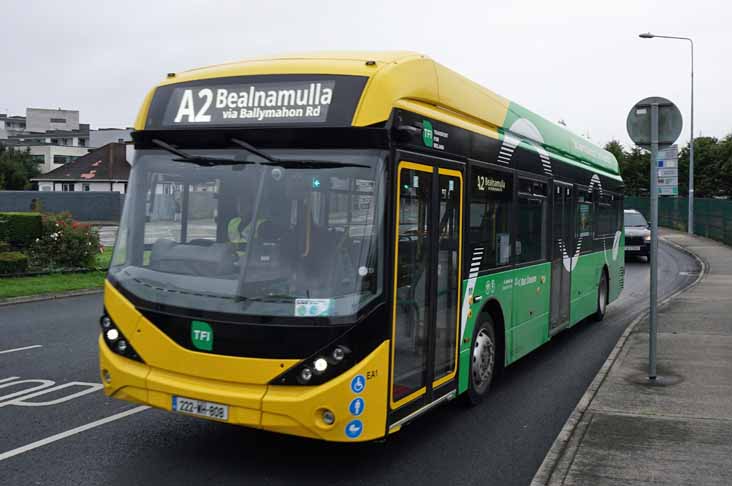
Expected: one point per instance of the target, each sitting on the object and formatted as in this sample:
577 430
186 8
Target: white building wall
79 186
120 187
42 120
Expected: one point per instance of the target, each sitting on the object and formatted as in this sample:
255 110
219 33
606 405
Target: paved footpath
679 431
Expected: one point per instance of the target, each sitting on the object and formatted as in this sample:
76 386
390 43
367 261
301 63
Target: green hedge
20 229
13 262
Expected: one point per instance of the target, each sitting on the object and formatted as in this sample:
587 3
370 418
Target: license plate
200 408
632 248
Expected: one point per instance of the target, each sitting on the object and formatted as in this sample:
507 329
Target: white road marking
68 433
21 349
41 384
21 401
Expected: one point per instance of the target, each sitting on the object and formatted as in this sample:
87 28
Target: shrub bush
13 262
5 246
20 229
64 244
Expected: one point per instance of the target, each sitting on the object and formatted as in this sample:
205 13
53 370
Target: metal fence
83 206
712 217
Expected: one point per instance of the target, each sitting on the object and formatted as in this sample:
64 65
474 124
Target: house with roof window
103 169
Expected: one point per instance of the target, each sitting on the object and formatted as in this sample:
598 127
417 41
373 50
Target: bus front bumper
294 410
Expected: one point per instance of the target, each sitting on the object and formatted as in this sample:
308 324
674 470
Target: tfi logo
427 133
202 335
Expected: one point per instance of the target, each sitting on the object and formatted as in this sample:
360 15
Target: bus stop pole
654 245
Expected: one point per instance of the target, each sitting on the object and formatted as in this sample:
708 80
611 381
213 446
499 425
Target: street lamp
648 35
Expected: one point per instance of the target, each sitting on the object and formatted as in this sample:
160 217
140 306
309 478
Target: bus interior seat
214 259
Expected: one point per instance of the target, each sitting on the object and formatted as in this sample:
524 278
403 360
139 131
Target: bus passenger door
427 277
562 252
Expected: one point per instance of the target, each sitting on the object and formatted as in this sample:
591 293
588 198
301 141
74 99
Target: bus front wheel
482 360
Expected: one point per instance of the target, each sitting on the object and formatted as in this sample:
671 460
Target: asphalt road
503 441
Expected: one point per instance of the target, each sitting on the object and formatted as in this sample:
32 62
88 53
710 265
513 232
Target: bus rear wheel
482 360
602 298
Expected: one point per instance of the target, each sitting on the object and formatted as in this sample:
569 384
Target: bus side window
490 216
608 213
584 217
532 221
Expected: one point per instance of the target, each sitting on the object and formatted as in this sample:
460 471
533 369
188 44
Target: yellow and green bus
329 245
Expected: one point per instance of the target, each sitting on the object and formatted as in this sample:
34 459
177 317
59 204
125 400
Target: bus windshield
242 236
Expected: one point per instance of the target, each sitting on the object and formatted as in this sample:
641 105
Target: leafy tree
16 169
615 148
634 167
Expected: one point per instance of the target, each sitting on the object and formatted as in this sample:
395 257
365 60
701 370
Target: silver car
637 234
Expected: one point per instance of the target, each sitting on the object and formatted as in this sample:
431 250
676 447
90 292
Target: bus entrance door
562 253
426 284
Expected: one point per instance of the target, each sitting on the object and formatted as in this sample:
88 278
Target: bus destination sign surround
256 101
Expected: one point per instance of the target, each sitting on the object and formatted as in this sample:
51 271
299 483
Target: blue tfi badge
354 429
358 383
356 406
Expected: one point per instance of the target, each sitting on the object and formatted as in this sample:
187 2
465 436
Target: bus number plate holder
200 408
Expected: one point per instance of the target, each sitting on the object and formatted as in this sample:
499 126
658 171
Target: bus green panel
524 297
616 264
530 327
585 279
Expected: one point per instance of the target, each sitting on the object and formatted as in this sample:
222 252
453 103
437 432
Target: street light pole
690 225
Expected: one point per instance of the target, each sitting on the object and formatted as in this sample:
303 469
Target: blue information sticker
356 407
354 429
358 383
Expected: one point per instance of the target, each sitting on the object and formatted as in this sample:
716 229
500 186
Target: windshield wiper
293 164
196 159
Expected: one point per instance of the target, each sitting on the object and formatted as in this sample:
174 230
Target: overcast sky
578 61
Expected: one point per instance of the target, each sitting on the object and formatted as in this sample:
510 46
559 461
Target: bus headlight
319 368
320 365
116 341
306 374
338 354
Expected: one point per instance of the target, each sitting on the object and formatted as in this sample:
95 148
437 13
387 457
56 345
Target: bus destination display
246 102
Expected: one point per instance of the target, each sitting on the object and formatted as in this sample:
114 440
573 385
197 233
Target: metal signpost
654 123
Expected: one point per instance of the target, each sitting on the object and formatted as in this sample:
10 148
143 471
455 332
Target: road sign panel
668 181
638 122
670 152
668 172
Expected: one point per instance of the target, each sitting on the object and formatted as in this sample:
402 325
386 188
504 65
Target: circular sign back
669 122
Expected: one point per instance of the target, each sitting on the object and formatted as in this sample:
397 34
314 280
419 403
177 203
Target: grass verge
49 284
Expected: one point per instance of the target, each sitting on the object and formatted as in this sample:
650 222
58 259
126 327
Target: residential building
103 136
48 156
11 125
53 137
103 169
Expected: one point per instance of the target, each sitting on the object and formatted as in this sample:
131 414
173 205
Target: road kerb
41 297
556 464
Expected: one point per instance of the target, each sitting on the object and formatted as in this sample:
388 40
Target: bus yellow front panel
357 398
122 378
159 351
